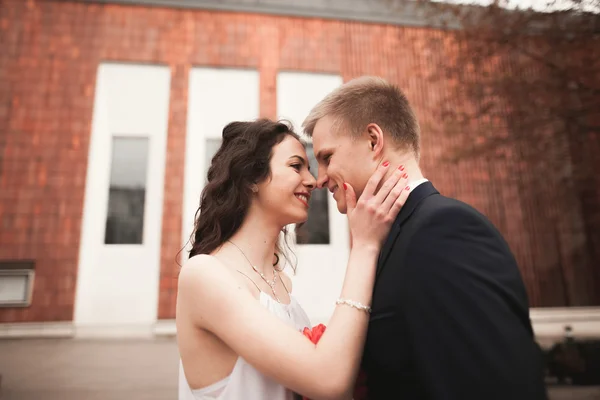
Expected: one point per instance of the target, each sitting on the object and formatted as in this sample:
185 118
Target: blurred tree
521 89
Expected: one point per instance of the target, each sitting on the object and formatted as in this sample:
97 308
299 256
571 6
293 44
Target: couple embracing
433 305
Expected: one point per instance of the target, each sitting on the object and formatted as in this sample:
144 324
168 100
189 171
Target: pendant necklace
264 278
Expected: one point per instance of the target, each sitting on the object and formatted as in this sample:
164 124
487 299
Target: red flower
315 333
360 389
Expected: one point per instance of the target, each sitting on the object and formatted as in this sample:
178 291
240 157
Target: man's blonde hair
366 100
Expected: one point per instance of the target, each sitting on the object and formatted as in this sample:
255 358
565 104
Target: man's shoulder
438 215
442 206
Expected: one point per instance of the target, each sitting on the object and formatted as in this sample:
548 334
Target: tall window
127 191
316 228
212 146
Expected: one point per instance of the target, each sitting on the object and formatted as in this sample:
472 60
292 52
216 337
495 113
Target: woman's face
286 194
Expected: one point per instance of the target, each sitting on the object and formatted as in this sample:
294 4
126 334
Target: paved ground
88 370
54 369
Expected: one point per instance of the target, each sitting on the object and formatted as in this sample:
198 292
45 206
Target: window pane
316 228
13 288
127 191
212 146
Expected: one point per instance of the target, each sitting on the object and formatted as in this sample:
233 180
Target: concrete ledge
33 330
165 327
37 330
138 331
549 323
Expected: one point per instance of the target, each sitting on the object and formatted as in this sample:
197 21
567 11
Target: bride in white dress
238 325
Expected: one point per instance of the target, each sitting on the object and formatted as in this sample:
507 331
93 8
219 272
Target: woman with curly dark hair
239 327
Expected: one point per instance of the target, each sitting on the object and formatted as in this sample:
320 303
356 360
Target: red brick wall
51 50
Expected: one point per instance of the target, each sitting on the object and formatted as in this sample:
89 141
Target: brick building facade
49 65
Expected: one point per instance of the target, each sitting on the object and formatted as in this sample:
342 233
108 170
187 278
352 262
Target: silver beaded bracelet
354 304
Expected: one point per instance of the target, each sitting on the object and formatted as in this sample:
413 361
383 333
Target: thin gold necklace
264 278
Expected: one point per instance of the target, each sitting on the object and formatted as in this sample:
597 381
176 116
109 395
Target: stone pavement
55 369
63 369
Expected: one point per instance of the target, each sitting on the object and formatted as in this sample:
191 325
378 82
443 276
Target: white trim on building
118 278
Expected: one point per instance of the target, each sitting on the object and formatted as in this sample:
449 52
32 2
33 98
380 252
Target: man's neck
408 161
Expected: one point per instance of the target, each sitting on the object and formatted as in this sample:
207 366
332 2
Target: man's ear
375 136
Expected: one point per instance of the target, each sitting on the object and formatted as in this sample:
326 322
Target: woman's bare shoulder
201 272
201 263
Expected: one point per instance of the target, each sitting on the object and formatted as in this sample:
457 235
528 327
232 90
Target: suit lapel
416 196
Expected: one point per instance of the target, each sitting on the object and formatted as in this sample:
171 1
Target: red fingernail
401 168
407 188
405 175
385 164
345 187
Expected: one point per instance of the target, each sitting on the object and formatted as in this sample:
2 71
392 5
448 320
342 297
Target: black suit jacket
450 313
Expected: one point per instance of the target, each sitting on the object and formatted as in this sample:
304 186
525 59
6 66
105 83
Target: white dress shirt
414 184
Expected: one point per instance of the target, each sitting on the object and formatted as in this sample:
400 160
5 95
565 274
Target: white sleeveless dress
245 382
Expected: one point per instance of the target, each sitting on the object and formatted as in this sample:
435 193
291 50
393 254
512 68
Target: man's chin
342 208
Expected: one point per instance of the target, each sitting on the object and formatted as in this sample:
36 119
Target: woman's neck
256 240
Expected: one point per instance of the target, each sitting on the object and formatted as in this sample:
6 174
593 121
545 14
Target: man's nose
322 181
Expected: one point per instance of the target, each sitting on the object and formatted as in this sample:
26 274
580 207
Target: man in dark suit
450 313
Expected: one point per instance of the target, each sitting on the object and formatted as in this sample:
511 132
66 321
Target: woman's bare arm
327 370
229 310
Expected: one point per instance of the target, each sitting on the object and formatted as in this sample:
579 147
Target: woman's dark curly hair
242 161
